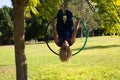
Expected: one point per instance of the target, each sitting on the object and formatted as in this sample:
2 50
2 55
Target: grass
100 60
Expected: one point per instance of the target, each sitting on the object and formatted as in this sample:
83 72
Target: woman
65 32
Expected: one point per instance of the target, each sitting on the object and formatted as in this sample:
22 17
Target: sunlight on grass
100 60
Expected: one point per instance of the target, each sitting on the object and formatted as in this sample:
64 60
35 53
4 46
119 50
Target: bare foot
63 7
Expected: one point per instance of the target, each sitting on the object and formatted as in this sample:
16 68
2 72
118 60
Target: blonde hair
65 54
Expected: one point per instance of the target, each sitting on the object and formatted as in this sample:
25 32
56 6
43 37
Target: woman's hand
78 20
77 23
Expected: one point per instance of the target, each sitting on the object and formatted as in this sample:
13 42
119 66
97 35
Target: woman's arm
54 32
75 31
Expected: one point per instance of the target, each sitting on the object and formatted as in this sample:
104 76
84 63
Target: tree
6 25
20 57
46 9
0 34
35 28
82 10
109 16
37 17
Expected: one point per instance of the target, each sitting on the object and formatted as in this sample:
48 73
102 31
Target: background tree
81 9
38 17
6 25
109 16
35 28
0 34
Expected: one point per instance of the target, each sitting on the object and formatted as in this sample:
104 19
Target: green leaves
0 34
31 7
49 8
6 25
38 13
46 9
109 15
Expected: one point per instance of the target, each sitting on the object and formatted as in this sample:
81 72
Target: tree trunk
20 57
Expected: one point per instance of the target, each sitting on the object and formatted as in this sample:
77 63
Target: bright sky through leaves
5 3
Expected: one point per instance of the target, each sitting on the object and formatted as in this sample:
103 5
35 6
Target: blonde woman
65 32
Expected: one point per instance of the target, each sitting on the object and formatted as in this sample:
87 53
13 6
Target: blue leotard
64 29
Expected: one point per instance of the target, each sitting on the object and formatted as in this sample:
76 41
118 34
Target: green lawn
100 60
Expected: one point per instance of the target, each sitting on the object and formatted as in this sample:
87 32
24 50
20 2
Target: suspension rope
91 6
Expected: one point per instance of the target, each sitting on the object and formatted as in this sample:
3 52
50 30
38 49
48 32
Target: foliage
48 9
0 34
45 9
31 7
109 16
81 9
38 14
6 25
99 61
35 28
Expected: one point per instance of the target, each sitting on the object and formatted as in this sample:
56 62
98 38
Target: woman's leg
69 27
60 18
60 24
69 21
57 27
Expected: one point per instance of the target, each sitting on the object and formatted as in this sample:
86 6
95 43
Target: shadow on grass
98 47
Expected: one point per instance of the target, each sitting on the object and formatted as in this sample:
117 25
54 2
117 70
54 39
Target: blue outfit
64 29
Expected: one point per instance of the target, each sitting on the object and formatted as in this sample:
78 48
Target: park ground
100 60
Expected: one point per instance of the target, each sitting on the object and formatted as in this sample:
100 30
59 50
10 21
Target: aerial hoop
84 27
